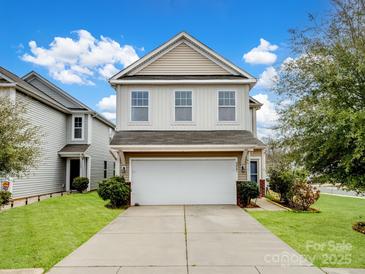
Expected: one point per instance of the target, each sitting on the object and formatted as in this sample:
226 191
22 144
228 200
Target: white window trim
235 122
258 160
182 123
142 123
82 128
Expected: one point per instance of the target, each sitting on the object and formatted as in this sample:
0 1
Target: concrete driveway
184 239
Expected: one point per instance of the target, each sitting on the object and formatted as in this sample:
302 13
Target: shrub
4 197
302 195
116 190
80 183
246 191
281 182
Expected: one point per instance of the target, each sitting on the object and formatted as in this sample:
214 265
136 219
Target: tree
322 122
19 139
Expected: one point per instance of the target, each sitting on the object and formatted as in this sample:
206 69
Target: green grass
41 234
333 225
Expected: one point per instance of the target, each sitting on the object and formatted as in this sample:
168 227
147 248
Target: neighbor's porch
78 163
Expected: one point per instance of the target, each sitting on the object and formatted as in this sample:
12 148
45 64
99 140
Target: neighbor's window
226 106
139 107
183 106
77 127
254 171
105 169
113 168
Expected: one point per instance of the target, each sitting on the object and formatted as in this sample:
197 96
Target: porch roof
73 149
183 138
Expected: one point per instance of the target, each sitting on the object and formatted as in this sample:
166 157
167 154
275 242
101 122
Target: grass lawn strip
41 234
325 238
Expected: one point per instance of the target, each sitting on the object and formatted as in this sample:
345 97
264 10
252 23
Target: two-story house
75 138
186 126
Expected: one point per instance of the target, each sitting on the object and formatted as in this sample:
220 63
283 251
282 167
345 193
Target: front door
74 170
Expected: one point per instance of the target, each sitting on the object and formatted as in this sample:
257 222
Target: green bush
80 183
302 195
116 190
4 197
281 182
247 190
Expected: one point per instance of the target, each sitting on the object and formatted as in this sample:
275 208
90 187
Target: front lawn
325 238
41 234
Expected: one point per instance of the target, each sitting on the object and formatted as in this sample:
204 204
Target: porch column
67 174
263 164
123 165
248 159
117 165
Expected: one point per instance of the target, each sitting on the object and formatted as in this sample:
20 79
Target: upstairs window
183 106
226 106
139 106
77 128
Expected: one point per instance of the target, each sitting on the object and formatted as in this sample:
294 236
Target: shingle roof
177 137
75 148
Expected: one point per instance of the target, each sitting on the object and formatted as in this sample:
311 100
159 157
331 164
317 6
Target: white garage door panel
178 181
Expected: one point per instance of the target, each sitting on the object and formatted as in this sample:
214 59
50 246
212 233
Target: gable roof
61 96
41 83
52 99
211 58
28 89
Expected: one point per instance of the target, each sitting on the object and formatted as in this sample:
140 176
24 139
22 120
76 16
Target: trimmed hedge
80 184
247 190
116 190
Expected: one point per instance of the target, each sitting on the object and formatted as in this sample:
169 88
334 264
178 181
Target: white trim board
176 159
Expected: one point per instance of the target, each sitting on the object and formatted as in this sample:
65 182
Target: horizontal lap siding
99 152
183 60
241 175
49 176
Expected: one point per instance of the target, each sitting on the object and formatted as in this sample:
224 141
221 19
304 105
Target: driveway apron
184 240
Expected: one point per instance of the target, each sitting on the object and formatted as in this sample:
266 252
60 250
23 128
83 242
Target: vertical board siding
183 60
99 152
205 108
49 175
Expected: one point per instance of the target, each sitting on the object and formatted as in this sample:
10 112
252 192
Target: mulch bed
360 227
252 205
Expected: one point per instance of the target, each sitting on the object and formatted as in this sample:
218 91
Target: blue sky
133 28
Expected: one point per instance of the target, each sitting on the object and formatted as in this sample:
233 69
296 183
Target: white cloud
108 103
77 60
266 116
267 78
109 115
262 54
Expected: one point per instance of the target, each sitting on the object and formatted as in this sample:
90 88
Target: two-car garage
166 181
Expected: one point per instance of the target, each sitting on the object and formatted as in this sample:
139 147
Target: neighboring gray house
76 138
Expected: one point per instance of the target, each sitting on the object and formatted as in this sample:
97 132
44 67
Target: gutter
183 148
185 81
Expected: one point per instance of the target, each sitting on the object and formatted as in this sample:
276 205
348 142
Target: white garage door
183 181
